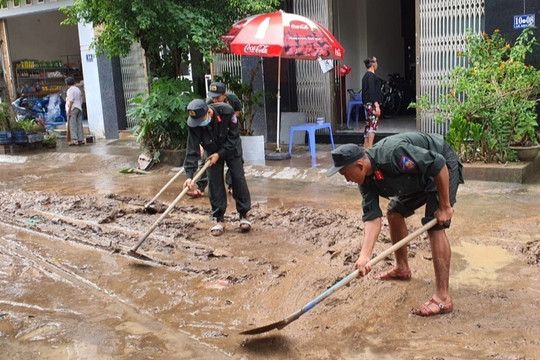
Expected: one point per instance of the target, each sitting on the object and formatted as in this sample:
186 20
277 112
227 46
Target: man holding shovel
415 169
217 94
215 128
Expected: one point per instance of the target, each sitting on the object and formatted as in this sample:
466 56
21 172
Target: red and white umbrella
283 35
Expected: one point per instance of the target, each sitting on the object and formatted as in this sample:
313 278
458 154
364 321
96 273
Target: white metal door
441 31
134 77
313 87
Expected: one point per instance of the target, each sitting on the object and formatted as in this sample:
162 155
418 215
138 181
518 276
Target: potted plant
252 145
34 129
491 103
49 141
5 124
162 113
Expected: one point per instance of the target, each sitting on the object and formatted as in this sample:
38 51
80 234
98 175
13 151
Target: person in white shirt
74 112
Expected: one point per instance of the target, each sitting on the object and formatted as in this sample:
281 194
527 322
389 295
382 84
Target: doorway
385 29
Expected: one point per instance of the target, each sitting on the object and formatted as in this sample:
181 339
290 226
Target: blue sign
523 21
89 57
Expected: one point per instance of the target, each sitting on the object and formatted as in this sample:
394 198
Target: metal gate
313 87
134 77
227 63
442 26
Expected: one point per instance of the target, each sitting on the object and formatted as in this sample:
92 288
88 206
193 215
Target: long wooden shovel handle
164 188
354 274
170 208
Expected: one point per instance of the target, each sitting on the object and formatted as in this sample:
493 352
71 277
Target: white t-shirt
74 95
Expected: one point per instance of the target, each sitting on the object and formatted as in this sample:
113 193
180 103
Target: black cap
216 89
197 110
345 155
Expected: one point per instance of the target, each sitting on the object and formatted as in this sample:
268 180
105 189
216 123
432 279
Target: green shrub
6 117
491 103
162 114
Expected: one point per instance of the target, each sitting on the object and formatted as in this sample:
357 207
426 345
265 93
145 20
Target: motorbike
393 94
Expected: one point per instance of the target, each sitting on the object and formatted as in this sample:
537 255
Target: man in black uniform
415 169
216 94
215 128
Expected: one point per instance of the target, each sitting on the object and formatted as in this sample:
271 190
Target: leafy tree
166 29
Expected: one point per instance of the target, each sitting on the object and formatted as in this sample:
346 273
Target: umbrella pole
278 148
278 155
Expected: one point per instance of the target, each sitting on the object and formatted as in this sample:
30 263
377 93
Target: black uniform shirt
220 136
232 100
402 164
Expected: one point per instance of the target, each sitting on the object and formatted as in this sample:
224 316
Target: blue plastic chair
310 128
352 104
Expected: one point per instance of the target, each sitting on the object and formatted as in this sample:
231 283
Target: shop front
38 54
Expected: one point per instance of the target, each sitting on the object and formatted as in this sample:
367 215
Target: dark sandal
245 225
217 229
426 310
394 274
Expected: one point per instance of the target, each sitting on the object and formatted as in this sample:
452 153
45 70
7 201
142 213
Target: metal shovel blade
277 325
139 256
289 319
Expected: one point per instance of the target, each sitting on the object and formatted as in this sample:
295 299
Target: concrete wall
41 37
384 36
370 28
351 31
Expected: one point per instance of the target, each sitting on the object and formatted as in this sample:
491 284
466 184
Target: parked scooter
393 93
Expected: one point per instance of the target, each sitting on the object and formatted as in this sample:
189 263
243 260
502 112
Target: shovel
133 250
150 209
289 319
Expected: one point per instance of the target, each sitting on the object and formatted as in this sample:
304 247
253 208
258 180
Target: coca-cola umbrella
282 35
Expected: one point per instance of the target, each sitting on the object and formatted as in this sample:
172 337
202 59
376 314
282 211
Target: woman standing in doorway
372 99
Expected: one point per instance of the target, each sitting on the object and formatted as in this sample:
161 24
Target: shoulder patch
407 164
234 119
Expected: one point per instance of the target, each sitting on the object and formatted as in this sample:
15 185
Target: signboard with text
523 21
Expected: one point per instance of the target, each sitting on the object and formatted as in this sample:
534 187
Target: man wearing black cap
215 128
415 169
217 94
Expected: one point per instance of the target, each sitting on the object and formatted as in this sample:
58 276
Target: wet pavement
70 292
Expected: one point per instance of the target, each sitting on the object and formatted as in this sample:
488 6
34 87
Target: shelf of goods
40 78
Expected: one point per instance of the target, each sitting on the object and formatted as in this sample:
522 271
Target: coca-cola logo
256 49
299 26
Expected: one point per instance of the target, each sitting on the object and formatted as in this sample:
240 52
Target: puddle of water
483 264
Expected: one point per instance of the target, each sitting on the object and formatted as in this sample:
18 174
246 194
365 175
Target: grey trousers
76 125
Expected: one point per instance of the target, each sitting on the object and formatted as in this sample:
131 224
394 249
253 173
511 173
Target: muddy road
69 291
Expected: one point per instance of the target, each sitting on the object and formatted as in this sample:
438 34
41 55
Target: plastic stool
310 128
354 103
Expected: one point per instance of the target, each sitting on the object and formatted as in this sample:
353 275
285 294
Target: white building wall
91 82
352 34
